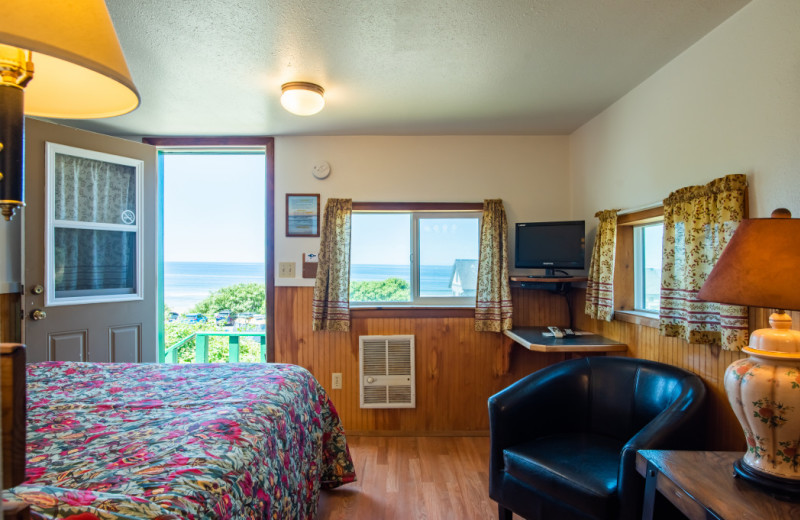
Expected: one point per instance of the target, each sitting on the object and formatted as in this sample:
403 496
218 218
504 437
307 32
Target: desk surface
533 338
701 482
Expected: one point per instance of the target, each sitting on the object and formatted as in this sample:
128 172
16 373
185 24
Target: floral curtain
600 287
493 301
698 222
331 305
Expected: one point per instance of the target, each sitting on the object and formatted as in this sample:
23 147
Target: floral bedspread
194 441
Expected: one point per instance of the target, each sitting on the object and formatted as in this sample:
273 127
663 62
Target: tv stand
546 279
558 285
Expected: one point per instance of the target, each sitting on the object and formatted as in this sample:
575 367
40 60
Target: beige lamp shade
79 69
760 266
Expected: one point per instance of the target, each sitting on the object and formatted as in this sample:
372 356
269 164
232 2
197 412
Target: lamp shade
760 266
302 98
80 71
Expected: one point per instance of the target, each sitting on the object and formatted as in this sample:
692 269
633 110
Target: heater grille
386 369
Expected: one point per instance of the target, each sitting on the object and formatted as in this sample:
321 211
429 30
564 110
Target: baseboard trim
404 433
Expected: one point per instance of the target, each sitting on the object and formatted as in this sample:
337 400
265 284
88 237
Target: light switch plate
286 269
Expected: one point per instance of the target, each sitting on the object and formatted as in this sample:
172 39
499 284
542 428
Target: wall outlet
336 384
286 269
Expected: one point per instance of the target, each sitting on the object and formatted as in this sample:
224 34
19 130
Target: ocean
187 283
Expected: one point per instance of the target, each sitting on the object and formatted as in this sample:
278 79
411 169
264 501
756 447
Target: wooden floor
414 478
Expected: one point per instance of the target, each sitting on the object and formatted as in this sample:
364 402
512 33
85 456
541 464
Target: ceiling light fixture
302 98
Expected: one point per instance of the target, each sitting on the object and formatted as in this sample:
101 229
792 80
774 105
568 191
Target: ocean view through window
187 283
414 258
214 248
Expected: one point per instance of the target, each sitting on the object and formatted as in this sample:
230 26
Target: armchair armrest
546 402
679 426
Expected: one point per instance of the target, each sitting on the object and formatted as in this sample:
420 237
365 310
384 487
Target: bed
194 441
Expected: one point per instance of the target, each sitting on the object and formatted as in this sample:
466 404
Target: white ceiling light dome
302 98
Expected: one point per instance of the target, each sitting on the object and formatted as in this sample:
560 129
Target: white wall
729 104
530 174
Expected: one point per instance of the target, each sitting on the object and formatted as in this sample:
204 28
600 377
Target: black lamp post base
12 150
777 487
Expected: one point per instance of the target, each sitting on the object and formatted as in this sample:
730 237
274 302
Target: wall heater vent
386 370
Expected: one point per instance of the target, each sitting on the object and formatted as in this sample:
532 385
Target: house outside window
414 258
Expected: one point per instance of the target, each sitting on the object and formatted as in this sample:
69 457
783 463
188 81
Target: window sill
645 319
412 312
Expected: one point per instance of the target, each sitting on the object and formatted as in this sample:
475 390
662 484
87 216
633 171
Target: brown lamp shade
760 266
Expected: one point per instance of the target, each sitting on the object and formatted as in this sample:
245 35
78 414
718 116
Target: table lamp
760 267
80 73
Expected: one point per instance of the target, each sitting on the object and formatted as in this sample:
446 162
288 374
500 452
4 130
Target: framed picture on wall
302 214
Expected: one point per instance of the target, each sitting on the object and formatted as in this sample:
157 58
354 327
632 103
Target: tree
242 297
389 290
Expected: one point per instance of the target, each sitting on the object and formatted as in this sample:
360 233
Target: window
647 266
93 242
414 257
637 269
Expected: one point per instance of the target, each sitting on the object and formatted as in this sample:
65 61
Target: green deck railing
201 346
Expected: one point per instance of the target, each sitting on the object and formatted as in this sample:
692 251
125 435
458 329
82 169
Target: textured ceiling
215 67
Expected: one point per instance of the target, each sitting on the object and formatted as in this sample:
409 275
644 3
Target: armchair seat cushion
580 469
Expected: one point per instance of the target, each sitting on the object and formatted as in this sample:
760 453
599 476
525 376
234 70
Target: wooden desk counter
701 485
533 338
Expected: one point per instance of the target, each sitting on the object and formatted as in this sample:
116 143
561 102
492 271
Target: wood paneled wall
458 369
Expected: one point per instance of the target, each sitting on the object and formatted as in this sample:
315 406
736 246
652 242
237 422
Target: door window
93 234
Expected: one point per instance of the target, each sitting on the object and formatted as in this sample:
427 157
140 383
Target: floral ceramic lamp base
764 392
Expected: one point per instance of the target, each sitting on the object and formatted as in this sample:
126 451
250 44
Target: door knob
38 314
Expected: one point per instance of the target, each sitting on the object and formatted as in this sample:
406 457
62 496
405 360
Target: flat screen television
550 245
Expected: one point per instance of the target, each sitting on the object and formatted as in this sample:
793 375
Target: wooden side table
701 485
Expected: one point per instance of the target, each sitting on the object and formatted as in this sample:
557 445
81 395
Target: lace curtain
331 305
600 286
89 191
698 222
493 302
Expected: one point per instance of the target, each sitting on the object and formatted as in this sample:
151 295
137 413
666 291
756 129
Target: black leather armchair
564 439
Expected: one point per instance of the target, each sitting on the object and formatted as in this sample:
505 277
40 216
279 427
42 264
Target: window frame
418 211
639 276
267 144
625 267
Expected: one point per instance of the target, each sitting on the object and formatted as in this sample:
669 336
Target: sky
653 236
214 207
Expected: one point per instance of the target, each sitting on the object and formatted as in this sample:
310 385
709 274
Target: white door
89 246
